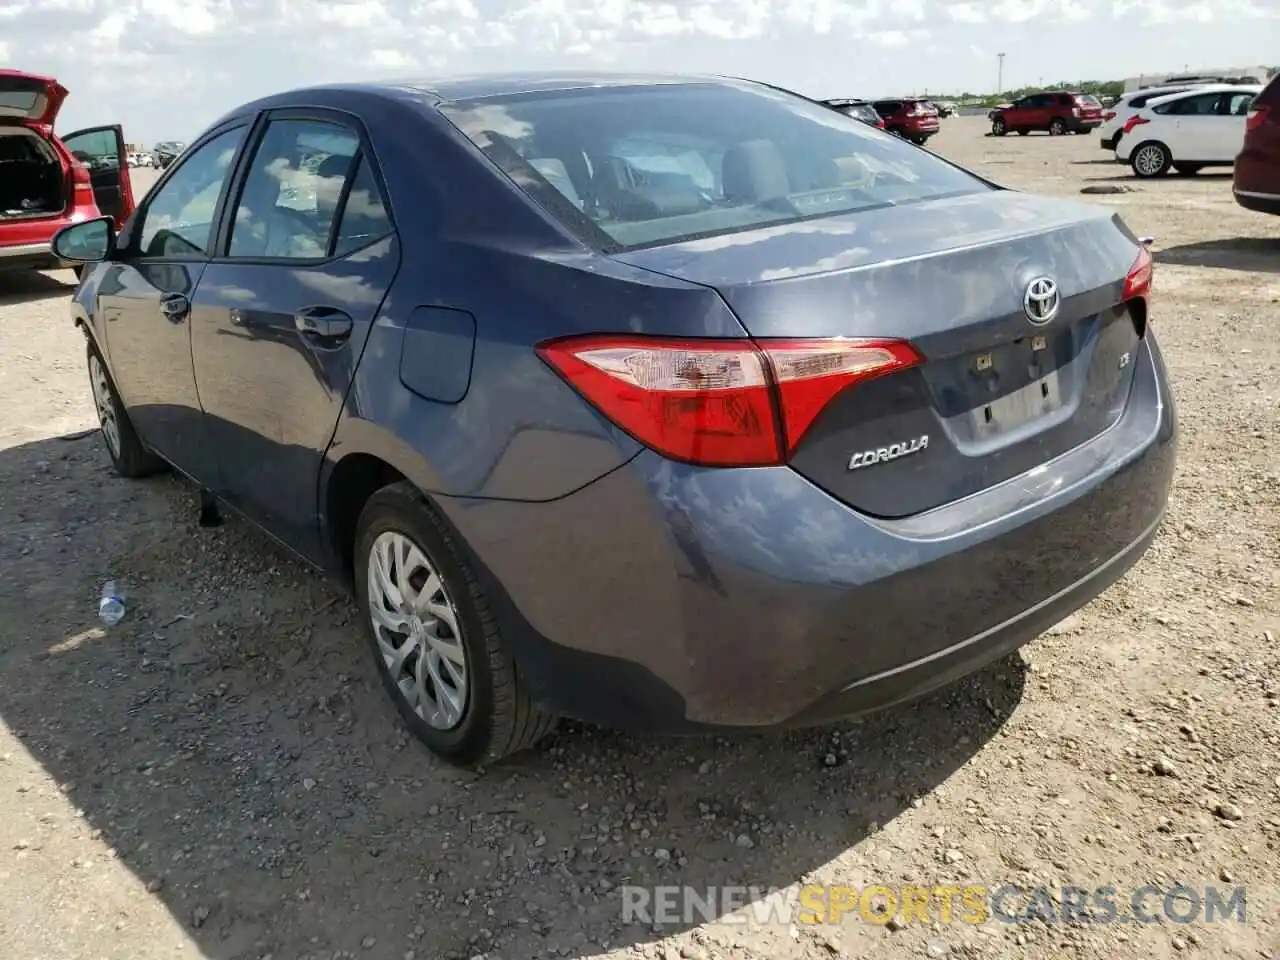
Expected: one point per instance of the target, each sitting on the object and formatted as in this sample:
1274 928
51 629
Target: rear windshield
18 101
1088 101
627 167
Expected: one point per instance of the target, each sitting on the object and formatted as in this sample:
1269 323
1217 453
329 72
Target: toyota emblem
1041 301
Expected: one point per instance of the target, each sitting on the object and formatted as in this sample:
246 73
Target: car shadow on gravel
1251 254
28 286
232 745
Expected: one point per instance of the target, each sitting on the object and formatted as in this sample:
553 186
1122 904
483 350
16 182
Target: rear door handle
323 324
175 307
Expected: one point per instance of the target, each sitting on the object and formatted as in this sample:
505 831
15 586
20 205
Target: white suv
1201 127
1114 116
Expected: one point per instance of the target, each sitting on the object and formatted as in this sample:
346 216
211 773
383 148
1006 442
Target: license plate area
1020 382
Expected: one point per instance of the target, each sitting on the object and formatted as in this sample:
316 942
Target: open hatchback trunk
43 176
986 383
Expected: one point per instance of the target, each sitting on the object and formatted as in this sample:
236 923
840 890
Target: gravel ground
222 776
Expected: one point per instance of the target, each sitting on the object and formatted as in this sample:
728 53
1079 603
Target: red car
1256 180
46 181
912 118
1056 112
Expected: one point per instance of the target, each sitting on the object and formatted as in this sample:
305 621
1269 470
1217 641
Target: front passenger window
178 220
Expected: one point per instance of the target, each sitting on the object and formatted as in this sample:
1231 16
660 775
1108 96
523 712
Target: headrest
754 171
557 174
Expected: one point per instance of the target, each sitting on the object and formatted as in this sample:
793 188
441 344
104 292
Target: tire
1150 159
496 716
128 456
998 127
1057 127
1187 169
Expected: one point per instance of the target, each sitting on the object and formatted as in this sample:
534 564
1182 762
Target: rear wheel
128 456
998 127
1057 127
1150 159
433 638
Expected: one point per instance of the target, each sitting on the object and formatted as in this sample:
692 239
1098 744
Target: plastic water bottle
111 606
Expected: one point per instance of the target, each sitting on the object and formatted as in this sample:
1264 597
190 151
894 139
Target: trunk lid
1088 108
29 98
998 394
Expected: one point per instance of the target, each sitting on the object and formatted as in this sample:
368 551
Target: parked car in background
912 118
716 384
1187 131
946 109
166 151
1055 112
48 181
859 110
1113 117
1256 179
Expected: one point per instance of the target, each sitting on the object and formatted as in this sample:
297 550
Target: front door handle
175 307
323 324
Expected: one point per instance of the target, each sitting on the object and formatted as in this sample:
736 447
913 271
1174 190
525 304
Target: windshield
638 166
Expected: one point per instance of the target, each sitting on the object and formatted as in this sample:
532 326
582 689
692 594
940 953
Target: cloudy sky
166 68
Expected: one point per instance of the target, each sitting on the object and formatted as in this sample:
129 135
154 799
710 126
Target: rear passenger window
290 198
364 218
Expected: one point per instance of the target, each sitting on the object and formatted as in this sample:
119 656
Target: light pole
1000 74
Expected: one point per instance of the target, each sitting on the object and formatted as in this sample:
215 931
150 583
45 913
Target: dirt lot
221 775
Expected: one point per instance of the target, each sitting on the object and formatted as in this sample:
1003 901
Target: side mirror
90 241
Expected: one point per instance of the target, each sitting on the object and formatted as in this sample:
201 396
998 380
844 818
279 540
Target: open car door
102 151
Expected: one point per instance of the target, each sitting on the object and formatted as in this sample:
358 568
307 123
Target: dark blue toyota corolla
667 403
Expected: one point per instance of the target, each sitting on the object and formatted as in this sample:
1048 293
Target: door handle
175 307
323 323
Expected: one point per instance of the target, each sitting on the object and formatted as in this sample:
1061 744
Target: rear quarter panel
474 244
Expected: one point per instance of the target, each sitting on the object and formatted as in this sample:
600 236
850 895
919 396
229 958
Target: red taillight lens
81 183
1134 122
719 402
1256 118
1109 115
1138 282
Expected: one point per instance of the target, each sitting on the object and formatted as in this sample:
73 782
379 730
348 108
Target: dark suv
1256 180
858 109
1056 112
911 118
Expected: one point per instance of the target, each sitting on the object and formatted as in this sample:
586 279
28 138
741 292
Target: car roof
1206 88
435 91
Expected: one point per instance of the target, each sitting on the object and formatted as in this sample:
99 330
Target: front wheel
128 456
998 127
433 637
1057 127
1151 159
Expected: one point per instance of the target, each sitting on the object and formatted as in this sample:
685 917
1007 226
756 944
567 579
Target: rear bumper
1255 182
27 256
669 598
1083 126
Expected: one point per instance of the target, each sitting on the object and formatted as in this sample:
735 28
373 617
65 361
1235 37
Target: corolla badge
894 451
1041 301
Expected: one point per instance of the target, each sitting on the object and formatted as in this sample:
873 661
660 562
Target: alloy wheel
1149 160
105 403
416 626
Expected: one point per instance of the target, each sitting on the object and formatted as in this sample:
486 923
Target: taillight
1109 115
1134 121
1138 281
81 184
1256 118
1076 111
719 402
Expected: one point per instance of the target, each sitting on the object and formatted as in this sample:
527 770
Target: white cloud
165 68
